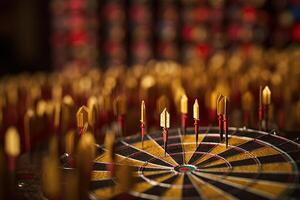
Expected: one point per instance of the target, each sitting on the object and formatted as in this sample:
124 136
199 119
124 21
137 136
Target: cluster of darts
75 109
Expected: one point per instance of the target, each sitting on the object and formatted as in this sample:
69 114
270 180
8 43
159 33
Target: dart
69 147
220 113
260 109
82 117
266 101
109 144
120 110
165 124
225 119
12 147
124 177
184 111
67 113
12 150
93 114
28 128
51 173
196 119
86 150
143 121
71 190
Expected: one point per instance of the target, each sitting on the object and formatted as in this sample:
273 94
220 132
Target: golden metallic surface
220 105
109 142
196 110
184 104
93 110
51 177
124 176
143 112
70 142
266 96
29 126
82 116
165 119
12 142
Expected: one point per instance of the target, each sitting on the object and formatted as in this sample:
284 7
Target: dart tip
143 112
165 119
184 104
266 96
220 105
196 110
82 116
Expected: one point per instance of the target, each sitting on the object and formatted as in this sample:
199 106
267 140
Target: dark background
24 33
25 30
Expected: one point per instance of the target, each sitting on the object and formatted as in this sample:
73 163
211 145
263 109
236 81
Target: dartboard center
185 168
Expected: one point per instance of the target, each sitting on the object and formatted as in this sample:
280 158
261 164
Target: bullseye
185 168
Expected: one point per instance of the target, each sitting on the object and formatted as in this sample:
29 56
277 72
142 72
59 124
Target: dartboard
255 165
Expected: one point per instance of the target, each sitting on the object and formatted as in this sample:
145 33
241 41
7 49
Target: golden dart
124 176
224 110
266 96
12 147
266 101
82 116
28 128
220 113
184 111
86 151
93 114
67 113
165 124
260 109
143 121
109 144
51 177
196 119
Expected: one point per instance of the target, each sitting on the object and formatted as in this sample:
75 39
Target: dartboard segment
251 167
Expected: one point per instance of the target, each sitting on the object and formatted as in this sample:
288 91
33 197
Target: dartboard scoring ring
255 165
185 168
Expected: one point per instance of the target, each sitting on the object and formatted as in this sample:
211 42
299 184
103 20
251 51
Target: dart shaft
142 132
165 137
196 127
211 114
11 163
260 115
183 121
266 117
221 127
225 126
